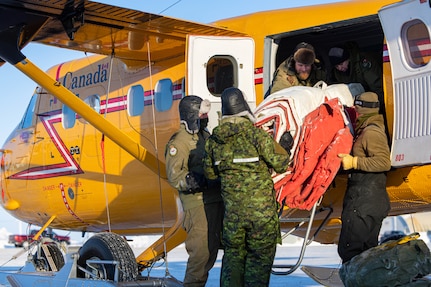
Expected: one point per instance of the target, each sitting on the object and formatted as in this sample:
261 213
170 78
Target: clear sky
16 88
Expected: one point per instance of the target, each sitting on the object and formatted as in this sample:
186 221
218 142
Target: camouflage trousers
249 250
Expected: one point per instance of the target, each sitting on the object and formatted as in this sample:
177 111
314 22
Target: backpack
395 263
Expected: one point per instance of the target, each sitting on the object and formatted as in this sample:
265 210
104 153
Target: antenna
170 6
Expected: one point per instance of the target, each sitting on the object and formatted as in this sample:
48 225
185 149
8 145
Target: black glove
286 141
195 182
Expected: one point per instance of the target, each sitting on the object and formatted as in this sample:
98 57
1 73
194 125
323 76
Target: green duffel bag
395 263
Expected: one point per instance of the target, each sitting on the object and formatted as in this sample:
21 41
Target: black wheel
108 246
49 259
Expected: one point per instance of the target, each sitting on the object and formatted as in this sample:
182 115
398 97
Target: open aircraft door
215 63
407 30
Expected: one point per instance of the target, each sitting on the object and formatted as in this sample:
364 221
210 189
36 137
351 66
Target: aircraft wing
102 29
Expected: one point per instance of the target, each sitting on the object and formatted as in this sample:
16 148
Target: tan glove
348 161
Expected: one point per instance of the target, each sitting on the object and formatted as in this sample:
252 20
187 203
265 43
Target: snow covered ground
287 254
316 255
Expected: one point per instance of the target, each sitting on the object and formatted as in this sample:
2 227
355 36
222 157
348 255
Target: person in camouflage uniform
243 157
201 199
300 69
352 66
366 202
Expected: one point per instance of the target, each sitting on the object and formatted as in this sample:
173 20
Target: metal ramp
280 269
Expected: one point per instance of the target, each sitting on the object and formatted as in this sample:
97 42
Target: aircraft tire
42 263
108 246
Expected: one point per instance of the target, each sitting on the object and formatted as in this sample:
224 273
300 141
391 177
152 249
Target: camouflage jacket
243 156
364 69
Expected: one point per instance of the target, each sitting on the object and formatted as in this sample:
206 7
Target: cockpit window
416 42
27 120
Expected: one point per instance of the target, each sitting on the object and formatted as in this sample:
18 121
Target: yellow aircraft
88 154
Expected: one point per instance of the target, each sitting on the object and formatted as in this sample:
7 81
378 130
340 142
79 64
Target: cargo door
406 28
216 63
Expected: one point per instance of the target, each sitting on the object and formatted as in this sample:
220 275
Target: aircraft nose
11 204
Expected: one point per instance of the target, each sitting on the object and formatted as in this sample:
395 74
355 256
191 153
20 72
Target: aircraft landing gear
107 256
48 257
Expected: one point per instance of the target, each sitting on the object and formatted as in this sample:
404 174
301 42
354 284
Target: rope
102 145
167 274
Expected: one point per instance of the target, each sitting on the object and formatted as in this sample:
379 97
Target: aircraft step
326 276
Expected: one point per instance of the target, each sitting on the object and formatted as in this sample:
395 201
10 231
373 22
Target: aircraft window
220 74
416 42
94 102
135 100
27 120
163 97
68 117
